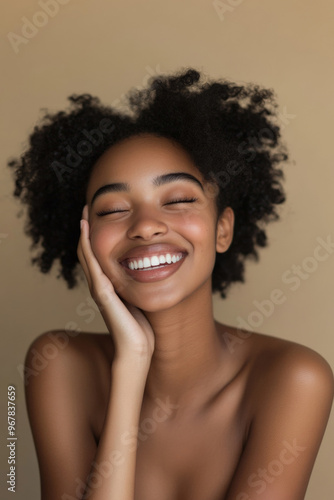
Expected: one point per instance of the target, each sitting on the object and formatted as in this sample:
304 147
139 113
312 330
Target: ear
224 233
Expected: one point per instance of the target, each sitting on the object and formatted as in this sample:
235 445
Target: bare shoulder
55 346
57 356
280 367
290 365
66 379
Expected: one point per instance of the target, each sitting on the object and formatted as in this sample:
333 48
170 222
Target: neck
188 350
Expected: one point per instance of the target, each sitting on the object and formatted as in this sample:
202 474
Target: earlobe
225 225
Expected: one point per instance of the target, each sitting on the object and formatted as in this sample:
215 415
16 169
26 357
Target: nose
146 226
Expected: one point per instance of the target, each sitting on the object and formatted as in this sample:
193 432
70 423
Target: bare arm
115 460
134 342
59 402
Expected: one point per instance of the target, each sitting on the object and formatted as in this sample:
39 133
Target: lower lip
155 273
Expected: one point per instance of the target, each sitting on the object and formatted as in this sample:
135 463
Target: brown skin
242 423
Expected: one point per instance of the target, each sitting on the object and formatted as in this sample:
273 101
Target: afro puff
230 131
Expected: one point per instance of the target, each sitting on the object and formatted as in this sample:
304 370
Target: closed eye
120 210
183 200
107 212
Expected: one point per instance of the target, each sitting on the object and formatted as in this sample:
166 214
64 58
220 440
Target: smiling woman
172 200
168 213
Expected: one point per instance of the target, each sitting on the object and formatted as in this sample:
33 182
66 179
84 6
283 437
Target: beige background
107 47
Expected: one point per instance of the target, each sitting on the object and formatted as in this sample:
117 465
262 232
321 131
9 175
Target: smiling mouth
153 262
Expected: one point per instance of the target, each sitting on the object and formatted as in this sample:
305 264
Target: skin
199 420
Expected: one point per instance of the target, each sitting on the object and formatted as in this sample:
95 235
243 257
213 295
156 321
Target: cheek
199 229
102 240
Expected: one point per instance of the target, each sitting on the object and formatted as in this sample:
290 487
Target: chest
185 454
191 458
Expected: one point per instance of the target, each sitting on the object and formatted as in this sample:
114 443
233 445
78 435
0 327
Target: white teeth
146 262
155 260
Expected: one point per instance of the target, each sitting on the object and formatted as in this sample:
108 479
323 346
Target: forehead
142 155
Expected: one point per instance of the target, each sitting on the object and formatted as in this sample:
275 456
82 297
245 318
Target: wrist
139 355
131 363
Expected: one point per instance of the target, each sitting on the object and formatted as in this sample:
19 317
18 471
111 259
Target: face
153 222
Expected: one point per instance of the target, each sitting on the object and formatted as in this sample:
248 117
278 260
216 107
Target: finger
87 251
85 244
80 251
85 212
81 254
95 271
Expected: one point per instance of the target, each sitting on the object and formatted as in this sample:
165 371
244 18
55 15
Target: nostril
146 229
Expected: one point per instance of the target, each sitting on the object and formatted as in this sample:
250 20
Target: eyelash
106 212
183 200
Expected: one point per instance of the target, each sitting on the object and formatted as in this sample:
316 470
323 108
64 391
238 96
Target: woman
174 196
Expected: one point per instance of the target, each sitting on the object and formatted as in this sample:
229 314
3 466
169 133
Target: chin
156 304
152 301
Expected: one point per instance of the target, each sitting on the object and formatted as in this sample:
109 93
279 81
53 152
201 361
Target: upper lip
142 251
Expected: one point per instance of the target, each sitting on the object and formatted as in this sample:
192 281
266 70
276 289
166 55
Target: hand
131 332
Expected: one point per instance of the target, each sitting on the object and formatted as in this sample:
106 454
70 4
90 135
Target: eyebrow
117 187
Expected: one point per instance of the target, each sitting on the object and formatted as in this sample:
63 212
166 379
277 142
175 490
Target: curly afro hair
230 131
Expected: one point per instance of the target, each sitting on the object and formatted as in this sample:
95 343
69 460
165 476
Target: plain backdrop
55 48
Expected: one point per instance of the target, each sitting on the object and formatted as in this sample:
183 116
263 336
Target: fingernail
81 224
